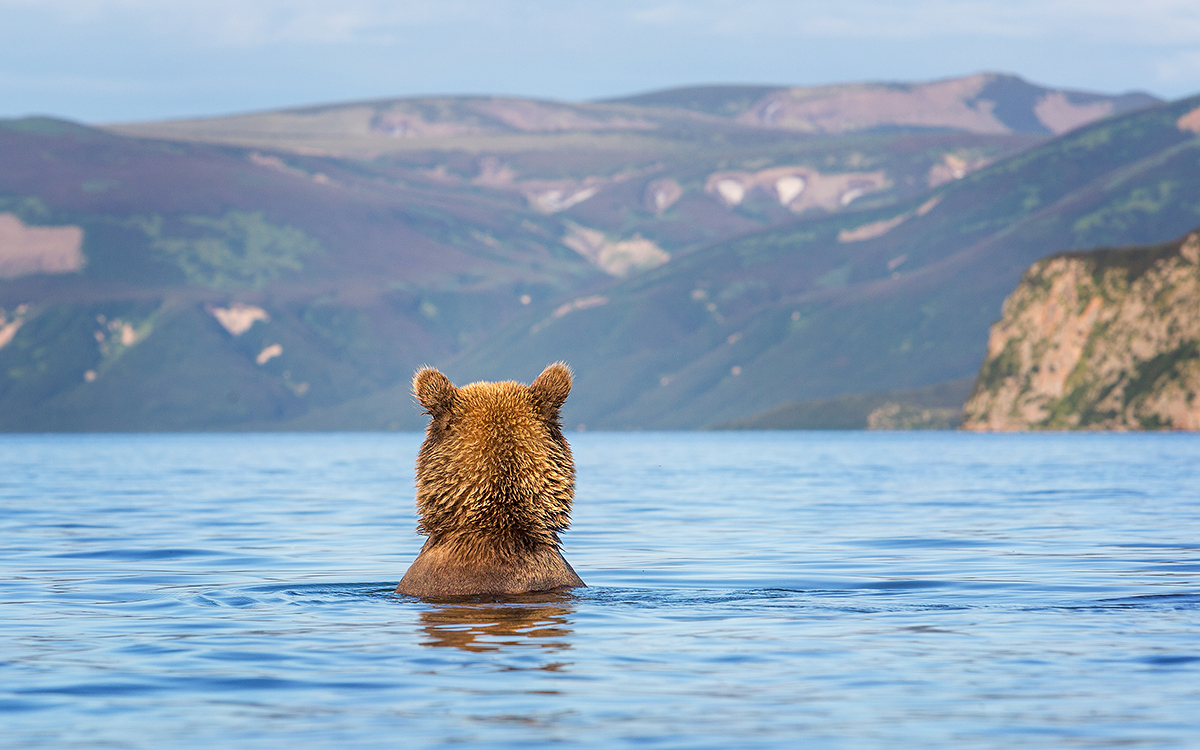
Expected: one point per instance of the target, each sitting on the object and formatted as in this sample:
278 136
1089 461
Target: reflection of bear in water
539 621
494 486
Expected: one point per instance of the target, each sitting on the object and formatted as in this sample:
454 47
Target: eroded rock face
1106 340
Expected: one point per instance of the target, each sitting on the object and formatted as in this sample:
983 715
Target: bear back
495 482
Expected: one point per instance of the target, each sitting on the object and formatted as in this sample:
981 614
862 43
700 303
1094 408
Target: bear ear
433 390
551 388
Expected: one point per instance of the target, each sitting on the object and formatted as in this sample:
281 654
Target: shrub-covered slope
291 269
872 301
357 282
934 407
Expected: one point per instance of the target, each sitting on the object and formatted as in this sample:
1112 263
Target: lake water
840 590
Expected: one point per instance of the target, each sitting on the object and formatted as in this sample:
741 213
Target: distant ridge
728 100
864 301
981 103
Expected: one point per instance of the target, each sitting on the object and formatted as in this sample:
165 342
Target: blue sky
124 60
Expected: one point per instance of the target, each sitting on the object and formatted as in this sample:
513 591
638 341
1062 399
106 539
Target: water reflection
540 620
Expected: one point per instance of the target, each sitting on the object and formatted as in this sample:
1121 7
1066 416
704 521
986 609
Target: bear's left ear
551 389
433 390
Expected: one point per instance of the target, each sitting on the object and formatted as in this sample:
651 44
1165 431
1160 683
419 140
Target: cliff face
1105 340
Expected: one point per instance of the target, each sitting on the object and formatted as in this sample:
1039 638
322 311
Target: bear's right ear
551 389
433 390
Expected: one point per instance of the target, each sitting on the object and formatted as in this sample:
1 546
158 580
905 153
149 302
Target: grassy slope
370 271
682 147
814 318
362 283
373 263
850 412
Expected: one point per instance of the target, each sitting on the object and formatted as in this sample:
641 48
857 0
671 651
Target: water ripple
748 590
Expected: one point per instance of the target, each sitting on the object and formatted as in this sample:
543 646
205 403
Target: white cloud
263 22
73 84
671 13
1181 66
1121 21
150 58
245 23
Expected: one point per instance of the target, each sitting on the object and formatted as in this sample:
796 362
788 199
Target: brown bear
495 481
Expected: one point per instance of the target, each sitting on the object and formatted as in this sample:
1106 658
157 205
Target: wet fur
495 481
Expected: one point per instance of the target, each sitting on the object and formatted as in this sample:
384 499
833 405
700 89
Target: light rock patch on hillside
10 325
238 318
954 167
661 195
795 188
618 258
879 228
1190 121
26 250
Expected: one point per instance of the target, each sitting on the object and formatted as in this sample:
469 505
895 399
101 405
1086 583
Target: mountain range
697 255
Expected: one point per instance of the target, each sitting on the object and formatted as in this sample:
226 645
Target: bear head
495 481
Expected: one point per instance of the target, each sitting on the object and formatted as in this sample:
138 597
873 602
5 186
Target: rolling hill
291 269
362 281
870 301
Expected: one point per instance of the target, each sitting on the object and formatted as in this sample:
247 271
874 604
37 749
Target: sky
104 61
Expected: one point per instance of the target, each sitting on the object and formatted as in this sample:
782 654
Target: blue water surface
827 590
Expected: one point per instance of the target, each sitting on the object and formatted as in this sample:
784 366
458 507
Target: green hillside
360 282
291 269
719 101
792 314
937 407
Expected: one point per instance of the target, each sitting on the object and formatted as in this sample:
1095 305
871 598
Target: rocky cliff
1103 340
